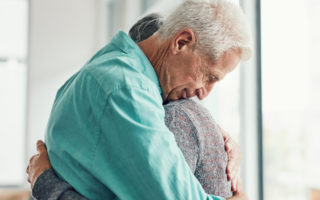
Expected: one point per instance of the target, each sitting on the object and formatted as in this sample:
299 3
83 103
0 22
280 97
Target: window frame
251 108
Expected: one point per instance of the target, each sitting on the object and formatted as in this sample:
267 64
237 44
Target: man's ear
183 40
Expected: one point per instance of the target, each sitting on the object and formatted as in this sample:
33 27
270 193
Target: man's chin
165 99
169 99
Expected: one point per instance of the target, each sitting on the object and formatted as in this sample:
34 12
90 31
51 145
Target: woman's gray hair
145 27
218 25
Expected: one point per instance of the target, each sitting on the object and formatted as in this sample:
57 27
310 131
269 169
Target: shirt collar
128 46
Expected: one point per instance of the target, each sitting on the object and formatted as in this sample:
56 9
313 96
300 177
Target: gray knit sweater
199 139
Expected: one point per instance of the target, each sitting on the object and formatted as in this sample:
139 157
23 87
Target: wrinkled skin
182 70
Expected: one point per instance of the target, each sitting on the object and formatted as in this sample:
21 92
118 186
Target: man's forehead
220 70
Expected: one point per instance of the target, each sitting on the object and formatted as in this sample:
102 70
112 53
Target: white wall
63 35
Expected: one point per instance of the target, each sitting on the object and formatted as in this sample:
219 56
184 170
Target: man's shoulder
115 70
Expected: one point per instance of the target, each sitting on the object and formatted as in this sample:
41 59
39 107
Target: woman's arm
45 183
49 186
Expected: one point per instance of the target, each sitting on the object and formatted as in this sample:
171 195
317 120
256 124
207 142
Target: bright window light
291 108
13 40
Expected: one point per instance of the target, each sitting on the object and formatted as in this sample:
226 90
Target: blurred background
270 105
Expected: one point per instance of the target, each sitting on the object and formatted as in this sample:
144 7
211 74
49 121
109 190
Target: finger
30 160
228 146
239 185
41 148
234 185
231 166
231 176
231 173
228 171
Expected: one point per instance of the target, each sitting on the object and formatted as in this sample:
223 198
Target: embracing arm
139 158
45 183
49 186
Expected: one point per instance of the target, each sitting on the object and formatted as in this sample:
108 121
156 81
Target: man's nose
203 92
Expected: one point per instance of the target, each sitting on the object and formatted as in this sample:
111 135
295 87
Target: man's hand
239 194
38 163
234 159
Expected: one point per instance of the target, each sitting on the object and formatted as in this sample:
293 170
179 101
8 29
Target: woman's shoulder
191 108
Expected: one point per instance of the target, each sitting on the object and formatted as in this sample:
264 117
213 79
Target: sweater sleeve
49 186
185 133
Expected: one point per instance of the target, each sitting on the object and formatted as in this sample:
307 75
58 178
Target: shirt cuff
49 186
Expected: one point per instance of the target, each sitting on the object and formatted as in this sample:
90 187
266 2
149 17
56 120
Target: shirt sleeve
137 156
49 186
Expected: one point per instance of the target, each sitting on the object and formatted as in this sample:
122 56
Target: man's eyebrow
215 76
218 75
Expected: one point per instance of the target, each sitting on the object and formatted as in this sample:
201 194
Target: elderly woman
106 135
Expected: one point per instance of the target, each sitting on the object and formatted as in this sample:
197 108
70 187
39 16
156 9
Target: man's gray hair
218 25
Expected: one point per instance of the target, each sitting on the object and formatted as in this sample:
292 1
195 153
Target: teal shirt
106 134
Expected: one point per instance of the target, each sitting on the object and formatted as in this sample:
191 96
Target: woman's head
145 27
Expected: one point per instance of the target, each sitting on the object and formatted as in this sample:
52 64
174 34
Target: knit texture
201 143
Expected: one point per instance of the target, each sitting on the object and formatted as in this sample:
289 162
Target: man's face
189 75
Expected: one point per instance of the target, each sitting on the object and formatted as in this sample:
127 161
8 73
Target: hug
129 125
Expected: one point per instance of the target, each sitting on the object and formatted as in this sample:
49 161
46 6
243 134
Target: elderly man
106 134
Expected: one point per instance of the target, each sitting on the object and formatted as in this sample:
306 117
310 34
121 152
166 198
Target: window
223 103
291 109
13 37
122 14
